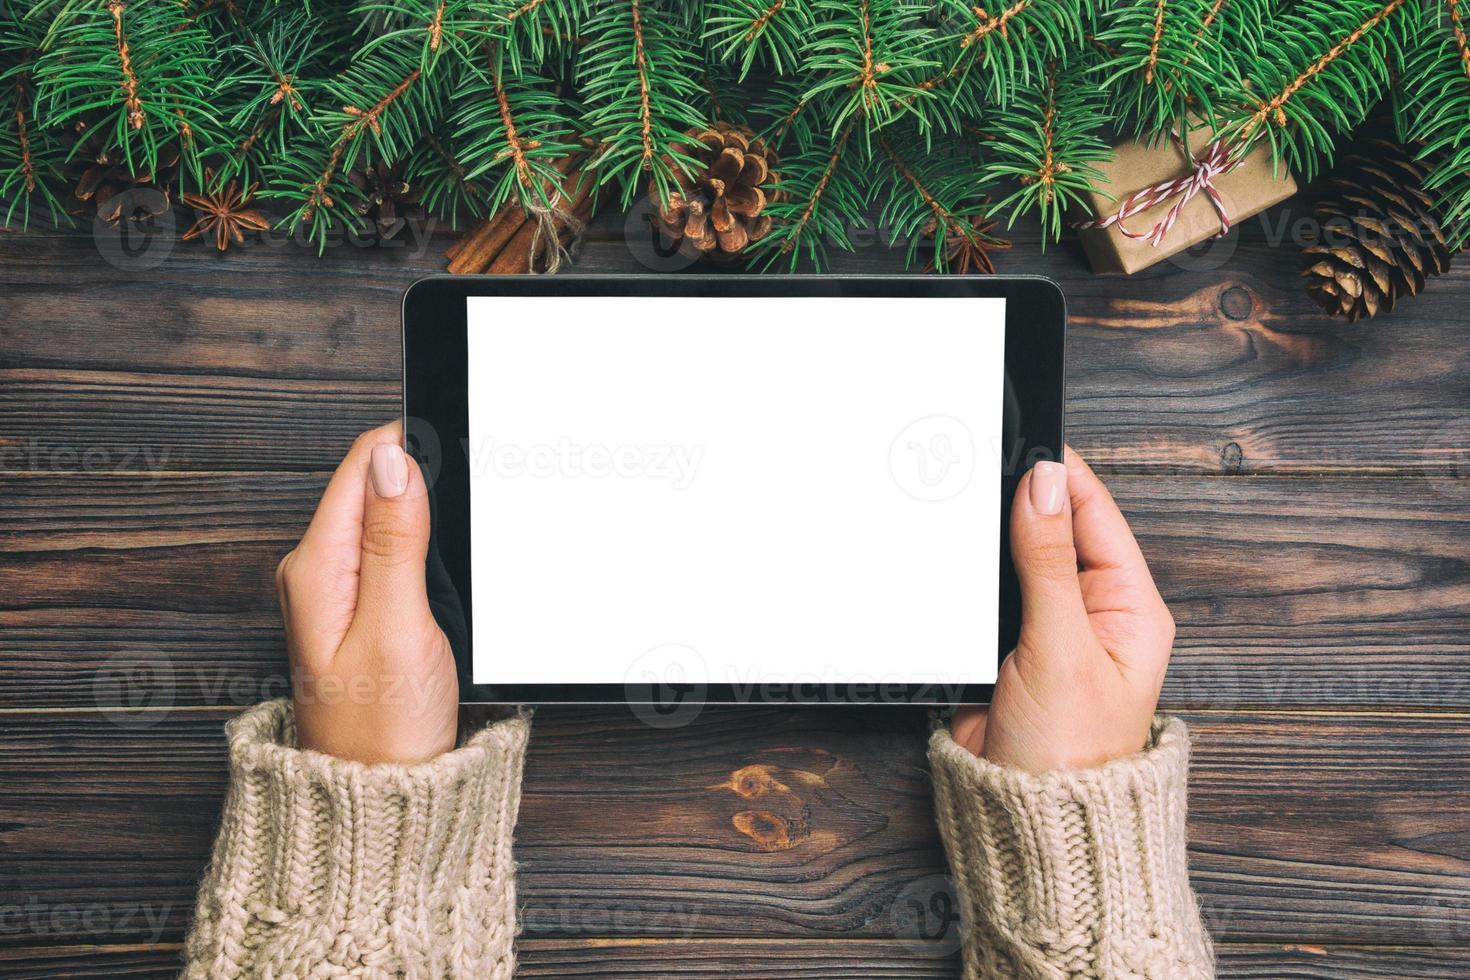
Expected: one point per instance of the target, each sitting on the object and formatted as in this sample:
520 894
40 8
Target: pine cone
720 210
106 176
1379 238
388 200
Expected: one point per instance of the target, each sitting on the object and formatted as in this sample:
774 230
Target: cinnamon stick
479 246
480 250
515 257
472 232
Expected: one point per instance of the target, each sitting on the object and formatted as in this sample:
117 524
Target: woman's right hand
1083 683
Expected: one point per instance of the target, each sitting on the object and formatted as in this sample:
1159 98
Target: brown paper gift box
1249 189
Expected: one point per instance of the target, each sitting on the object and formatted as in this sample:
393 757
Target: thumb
1045 557
395 537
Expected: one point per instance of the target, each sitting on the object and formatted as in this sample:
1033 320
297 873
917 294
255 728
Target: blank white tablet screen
747 491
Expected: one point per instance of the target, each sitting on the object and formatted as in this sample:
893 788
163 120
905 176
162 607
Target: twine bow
1216 161
547 235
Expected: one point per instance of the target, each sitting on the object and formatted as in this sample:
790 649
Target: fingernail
1048 487
389 470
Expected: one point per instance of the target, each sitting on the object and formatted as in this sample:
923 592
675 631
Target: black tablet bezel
436 433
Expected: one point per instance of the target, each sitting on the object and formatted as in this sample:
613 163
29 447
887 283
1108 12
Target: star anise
224 212
968 242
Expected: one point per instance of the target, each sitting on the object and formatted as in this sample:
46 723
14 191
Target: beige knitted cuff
1073 874
325 866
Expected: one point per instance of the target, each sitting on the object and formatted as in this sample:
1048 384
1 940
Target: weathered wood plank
213 363
720 959
1305 828
833 959
1288 591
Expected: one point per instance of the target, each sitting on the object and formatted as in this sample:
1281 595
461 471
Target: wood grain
164 433
1305 828
720 959
1288 591
775 959
267 358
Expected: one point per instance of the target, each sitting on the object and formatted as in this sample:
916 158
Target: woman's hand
1082 685
373 677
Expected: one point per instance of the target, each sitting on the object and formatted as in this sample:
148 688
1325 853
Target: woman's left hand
372 675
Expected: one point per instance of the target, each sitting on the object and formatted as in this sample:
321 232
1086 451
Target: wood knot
770 832
1232 459
752 781
1237 303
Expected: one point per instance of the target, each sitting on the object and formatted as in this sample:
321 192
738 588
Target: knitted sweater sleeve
1072 874
325 867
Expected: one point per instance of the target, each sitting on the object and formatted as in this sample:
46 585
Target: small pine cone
388 201
1380 239
720 211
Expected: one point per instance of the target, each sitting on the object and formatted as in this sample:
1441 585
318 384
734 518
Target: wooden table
1299 485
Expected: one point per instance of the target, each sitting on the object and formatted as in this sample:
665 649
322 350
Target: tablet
728 488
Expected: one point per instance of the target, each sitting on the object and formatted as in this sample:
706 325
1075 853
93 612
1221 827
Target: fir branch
869 58
762 20
1164 63
640 61
27 173
985 23
324 193
999 53
131 100
942 215
933 194
30 156
789 107
27 162
1048 141
264 85
513 129
639 78
141 73
769 32
1457 27
822 194
1434 110
812 200
388 95
371 117
1275 108
446 188
536 32
515 147
1337 57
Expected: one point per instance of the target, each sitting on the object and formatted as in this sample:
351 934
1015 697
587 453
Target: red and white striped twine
1215 162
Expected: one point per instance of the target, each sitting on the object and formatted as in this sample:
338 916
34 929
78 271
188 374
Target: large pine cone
1379 238
719 211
